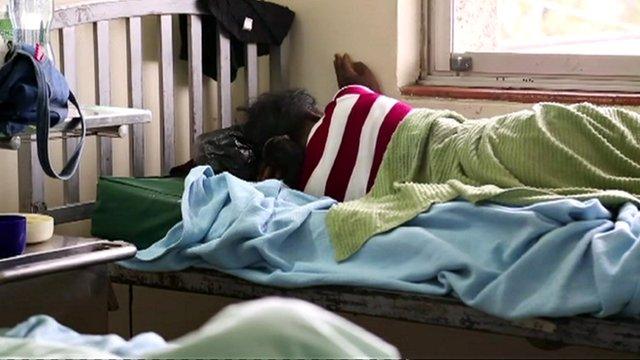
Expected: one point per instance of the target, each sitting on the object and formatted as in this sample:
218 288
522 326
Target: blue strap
44 123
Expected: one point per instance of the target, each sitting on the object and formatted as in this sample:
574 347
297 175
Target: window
561 44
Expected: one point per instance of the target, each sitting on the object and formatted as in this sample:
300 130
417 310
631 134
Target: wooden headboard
31 178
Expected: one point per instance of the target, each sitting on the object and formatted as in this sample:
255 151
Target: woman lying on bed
309 155
338 152
280 123
272 142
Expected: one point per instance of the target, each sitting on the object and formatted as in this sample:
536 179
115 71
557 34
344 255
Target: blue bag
34 93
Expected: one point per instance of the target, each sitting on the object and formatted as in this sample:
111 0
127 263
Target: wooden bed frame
620 335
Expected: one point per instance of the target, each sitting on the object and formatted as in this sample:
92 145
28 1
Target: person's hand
349 72
269 172
282 159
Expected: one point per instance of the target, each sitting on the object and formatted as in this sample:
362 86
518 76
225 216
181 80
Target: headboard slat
166 94
224 79
134 45
195 80
76 14
31 176
103 91
278 66
71 187
252 71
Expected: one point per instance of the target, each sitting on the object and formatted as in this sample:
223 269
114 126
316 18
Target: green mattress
137 210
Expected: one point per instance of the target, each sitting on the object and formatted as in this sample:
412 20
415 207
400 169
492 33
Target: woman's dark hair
277 114
275 121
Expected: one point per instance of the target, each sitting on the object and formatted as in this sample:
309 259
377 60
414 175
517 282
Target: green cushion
137 210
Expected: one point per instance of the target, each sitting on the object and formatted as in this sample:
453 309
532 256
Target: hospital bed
621 335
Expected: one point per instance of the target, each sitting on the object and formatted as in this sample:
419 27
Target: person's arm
282 158
349 72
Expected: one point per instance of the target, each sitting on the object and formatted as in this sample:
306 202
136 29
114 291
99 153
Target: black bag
227 150
34 93
223 150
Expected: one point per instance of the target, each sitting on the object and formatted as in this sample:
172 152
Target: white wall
325 27
385 34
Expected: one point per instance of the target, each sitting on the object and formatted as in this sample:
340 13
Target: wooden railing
31 178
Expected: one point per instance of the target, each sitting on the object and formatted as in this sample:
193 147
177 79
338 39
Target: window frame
512 70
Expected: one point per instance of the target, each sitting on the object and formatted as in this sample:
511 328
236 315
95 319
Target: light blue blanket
559 258
43 328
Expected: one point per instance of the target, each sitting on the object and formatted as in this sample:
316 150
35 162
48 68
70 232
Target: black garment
223 150
270 25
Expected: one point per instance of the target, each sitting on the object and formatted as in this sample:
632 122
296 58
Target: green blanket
552 151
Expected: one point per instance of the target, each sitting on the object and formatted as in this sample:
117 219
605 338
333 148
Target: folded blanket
550 152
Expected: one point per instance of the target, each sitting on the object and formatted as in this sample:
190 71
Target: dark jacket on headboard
246 21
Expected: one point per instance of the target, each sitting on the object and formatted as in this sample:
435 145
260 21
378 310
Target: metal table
107 121
65 277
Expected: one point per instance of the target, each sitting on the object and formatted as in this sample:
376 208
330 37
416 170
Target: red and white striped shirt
345 148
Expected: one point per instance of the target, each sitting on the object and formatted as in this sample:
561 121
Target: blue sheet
43 328
559 258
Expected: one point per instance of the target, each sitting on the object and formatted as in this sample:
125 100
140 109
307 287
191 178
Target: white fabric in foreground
266 328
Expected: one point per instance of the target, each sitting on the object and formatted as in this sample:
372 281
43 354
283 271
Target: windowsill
522 95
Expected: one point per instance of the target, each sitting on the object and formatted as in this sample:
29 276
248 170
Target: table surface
99 116
58 242
62 253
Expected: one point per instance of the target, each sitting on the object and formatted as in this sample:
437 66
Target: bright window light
587 27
